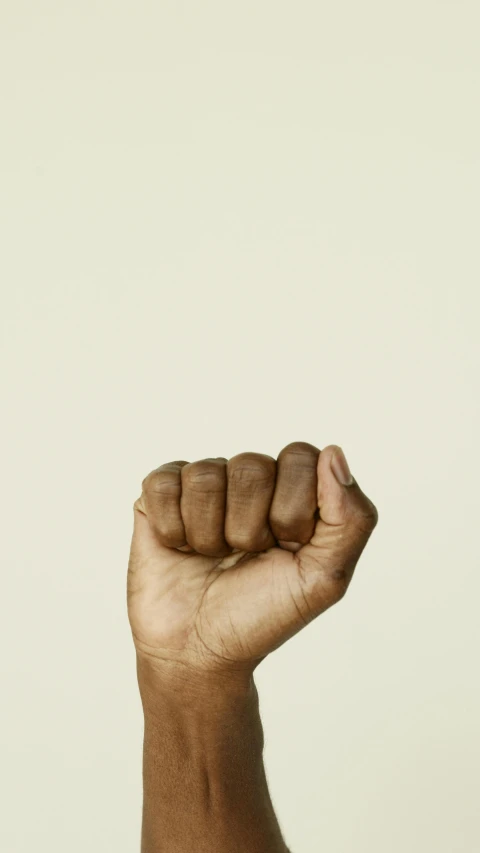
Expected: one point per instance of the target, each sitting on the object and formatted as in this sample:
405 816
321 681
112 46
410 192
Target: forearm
203 772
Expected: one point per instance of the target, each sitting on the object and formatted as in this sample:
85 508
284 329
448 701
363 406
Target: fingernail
340 468
289 546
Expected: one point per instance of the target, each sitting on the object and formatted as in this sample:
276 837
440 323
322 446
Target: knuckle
204 476
258 463
334 585
338 590
302 450
366 517
161 482
246 472
165 479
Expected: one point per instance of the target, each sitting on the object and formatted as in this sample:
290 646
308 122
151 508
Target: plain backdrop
226 227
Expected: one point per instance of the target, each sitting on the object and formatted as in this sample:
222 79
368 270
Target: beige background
225 227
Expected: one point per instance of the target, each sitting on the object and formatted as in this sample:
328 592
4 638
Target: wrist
173 687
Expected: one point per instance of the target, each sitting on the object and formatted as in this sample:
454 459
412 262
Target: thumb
346 520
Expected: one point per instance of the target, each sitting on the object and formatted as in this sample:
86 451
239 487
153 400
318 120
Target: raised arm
229 558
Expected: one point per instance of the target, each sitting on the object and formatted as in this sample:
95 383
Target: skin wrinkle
297 608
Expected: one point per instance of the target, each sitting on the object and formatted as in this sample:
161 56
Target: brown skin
229 558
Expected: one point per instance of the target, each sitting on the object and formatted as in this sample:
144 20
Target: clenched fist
230 558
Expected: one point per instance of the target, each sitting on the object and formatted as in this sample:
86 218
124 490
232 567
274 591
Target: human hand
230 558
